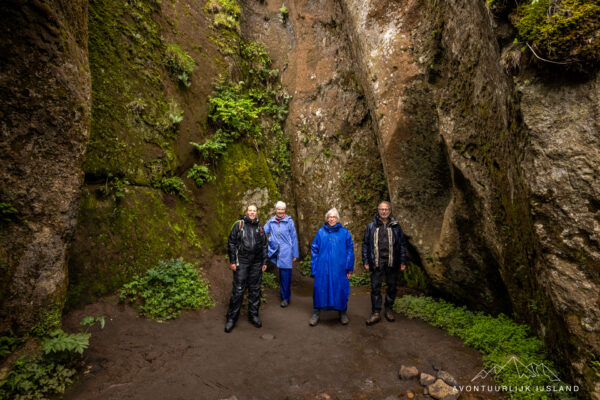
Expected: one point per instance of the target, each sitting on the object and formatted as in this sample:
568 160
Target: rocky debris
446 377
408 372
442 391
267 336
426 379
442 388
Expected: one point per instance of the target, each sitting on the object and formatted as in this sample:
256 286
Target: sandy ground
192 358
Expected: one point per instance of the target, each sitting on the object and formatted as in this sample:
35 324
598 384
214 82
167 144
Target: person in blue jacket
332 263
283 248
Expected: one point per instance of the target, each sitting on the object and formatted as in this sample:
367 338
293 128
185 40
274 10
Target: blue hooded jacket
332 254
283 241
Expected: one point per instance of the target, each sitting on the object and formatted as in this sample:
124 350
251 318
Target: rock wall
496 187
561 166
45 113
334 155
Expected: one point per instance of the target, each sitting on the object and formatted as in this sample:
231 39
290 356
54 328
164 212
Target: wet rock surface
45 103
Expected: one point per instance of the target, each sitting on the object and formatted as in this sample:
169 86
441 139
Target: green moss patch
563 31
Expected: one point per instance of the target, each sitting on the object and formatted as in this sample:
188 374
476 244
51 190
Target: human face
280 212
384 210
332 220
251 213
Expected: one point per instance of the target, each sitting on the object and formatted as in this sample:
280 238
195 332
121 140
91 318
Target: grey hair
280 204
333 211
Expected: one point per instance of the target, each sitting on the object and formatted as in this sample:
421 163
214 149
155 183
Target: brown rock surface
45 114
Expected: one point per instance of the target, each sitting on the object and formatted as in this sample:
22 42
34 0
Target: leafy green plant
115 187
90 321
211 149
8 344
172 185
499 339
561 31
283 14
226 13
269 280
305 266
167 289
180 64
363 279
37 377
175 113
200 174
47 374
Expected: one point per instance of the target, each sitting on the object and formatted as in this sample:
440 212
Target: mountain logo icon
529 371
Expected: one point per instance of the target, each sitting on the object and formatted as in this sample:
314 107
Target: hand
294 259
348 274
264 268
367 267
233 267
403 267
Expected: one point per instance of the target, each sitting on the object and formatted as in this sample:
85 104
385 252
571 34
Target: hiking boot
284 304
314 320
344 317
255 321
389 315
373 319
229 325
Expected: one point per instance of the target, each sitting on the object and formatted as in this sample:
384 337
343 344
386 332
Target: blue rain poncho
283 242
332 254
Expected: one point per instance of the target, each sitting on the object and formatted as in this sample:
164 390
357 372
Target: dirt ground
192 358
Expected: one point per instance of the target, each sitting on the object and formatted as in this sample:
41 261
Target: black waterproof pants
391 278
247 275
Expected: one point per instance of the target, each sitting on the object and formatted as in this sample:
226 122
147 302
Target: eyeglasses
383 209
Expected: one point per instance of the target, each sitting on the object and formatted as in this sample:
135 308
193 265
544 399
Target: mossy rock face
242 177
566 31
132 135
118 239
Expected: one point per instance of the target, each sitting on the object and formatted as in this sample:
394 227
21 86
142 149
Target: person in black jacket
248 251
383 254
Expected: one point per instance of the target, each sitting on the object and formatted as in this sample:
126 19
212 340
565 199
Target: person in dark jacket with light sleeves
247 247
383 254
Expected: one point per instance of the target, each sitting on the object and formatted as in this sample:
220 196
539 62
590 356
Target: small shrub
172 185
363 279
211 149
47 374
200 174
305 266
8 344
167 289
180 64
269 280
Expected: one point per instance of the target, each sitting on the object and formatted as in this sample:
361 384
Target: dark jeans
391 277
247 275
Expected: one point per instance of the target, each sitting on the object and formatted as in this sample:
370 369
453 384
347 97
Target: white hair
333 211
280 204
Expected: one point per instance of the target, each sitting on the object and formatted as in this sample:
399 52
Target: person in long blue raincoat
332 264
283 248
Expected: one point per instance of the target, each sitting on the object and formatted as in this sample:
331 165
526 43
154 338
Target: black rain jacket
247 240
397 244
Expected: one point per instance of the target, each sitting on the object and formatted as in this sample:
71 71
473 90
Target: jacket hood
330 228
286 218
